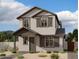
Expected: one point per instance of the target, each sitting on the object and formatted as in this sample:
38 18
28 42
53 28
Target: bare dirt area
67 55
64 55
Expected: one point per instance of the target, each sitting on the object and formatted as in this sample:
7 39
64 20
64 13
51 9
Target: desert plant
65 50
48 51
2 54
54 56
13 50
20 57
42 55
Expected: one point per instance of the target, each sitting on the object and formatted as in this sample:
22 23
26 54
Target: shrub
20 57
54 56
2 54
32 52
13 50
65 50
76 49
42 55
48 51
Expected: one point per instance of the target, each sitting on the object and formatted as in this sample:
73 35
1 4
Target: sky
65 9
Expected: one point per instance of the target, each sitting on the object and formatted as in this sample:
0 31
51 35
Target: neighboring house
40 30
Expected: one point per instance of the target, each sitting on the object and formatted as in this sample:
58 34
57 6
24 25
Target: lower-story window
42 42
49 41
56 41
25 40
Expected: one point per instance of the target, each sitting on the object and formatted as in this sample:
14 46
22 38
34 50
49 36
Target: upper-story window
44 21
26 21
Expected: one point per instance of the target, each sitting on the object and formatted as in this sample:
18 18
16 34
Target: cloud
69 19
10 9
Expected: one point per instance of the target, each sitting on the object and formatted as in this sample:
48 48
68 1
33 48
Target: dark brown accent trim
27 12
39 13
23 30
50 13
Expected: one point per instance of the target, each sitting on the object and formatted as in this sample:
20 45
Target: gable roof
23 30
40 12
27 12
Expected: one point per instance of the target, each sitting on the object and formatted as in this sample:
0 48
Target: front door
32 45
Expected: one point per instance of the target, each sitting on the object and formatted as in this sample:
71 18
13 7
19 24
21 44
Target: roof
23 30
60 31
40 12
27 12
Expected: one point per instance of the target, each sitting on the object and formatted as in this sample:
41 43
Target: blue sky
65 9
52 5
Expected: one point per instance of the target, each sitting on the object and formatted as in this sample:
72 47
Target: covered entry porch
27 40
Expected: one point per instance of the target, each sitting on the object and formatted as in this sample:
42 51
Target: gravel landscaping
63 55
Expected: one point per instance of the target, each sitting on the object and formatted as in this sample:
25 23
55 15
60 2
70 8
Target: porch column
61 42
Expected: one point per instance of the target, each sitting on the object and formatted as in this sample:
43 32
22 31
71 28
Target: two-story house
40 30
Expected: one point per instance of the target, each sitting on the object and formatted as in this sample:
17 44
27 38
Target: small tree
72 36
75 34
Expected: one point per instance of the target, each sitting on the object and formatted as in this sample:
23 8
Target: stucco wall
26 47
43 30
33 12
21 46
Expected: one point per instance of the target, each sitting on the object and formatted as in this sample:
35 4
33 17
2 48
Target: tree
6 36
2 36
72 36
75 34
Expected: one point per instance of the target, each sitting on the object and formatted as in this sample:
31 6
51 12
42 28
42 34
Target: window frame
25 41
26 22
40 19
48 39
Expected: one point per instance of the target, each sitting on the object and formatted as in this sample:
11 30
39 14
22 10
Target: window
46 41
44 21
38 22
26 22
25 40
42 41
56 41
49 41
49 21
